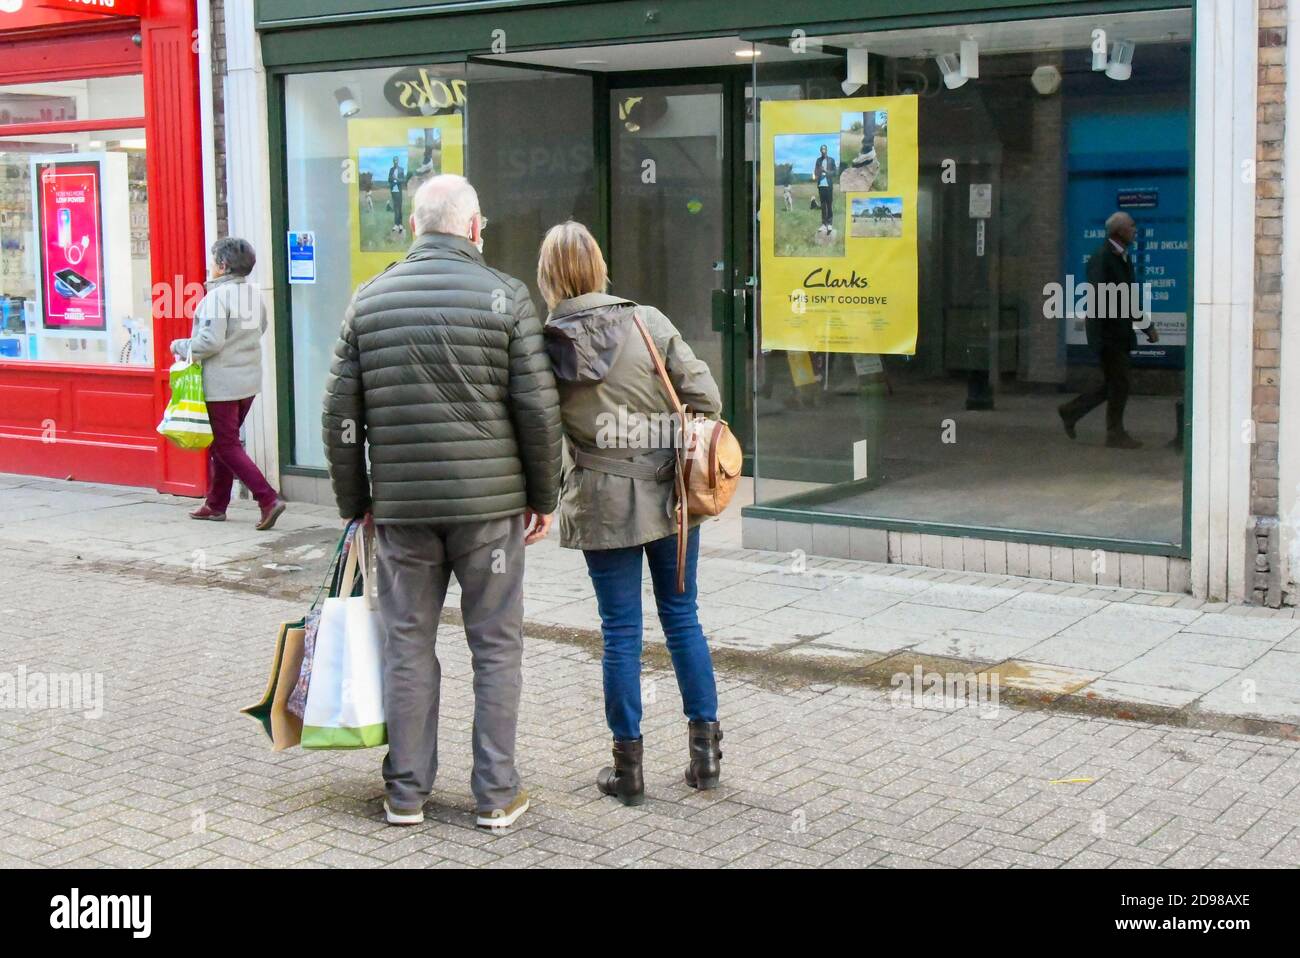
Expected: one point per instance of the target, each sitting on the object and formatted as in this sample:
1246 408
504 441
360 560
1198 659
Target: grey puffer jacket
227 339
440 365
614 407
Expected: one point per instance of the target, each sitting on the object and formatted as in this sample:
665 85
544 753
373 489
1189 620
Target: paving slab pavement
157 769
1078 648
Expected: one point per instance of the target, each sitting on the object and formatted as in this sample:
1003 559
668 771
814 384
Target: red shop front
101 233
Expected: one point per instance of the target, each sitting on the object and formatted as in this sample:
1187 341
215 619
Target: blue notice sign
302 257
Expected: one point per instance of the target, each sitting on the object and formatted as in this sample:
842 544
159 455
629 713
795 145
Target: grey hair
1114 220
445 204
235 254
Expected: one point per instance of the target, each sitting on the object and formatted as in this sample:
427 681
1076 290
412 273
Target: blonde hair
570 264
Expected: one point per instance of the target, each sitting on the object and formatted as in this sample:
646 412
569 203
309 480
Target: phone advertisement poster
838 225
70 241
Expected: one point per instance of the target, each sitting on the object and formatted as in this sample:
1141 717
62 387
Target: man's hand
1152 335
536 526
367 521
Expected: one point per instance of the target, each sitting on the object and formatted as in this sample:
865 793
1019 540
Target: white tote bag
345 701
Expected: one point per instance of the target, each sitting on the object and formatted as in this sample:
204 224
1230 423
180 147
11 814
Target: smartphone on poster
72 284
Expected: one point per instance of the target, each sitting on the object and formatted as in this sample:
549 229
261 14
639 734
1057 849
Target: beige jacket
227 339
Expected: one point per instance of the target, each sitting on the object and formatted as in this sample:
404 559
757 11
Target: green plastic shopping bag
185 421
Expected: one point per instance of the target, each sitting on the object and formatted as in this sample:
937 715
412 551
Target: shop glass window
359 144
75 276
1023 149
66 101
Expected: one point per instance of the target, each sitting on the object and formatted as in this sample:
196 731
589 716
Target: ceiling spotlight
1046 79
855 74
970 58
348 105
950 66
1121 60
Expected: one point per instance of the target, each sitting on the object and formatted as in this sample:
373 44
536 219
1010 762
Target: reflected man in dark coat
1115 306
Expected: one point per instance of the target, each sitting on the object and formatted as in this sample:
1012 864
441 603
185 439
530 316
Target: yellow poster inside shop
390 159
838 225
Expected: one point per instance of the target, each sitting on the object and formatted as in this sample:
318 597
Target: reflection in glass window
75 279
360 143
1017 410
93 98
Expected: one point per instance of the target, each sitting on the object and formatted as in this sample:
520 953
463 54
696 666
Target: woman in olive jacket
617 500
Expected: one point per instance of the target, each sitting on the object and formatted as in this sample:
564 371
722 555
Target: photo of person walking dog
809 216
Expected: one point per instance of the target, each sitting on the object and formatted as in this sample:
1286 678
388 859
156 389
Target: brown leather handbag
709 460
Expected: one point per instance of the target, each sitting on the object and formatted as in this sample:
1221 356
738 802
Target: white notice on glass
302 256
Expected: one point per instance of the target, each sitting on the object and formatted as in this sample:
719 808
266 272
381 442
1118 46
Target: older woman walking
617 502
227 340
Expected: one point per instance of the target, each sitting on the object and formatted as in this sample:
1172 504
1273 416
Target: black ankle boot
706 755
624 780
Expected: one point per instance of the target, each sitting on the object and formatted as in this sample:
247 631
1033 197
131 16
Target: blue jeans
616 574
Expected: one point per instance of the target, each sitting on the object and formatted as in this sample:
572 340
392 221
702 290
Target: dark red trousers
227 459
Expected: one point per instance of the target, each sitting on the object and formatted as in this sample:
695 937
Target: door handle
721 310
742 322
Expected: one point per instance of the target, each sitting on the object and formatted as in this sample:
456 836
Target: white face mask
479 244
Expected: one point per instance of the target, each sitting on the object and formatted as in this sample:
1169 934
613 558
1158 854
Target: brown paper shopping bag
284 728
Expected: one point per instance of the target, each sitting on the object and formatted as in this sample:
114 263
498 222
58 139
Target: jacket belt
657 471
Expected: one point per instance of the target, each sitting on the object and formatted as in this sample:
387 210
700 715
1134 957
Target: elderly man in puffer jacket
441 368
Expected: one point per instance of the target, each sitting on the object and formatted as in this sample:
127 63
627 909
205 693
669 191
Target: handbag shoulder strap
682 520
660 370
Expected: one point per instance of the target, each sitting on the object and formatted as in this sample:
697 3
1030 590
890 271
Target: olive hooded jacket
615 406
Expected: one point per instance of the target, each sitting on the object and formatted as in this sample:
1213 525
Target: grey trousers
414 566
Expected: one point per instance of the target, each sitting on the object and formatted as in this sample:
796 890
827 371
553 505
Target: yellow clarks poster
838 225
391 158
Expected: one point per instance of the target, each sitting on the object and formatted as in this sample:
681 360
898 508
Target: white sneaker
403 816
